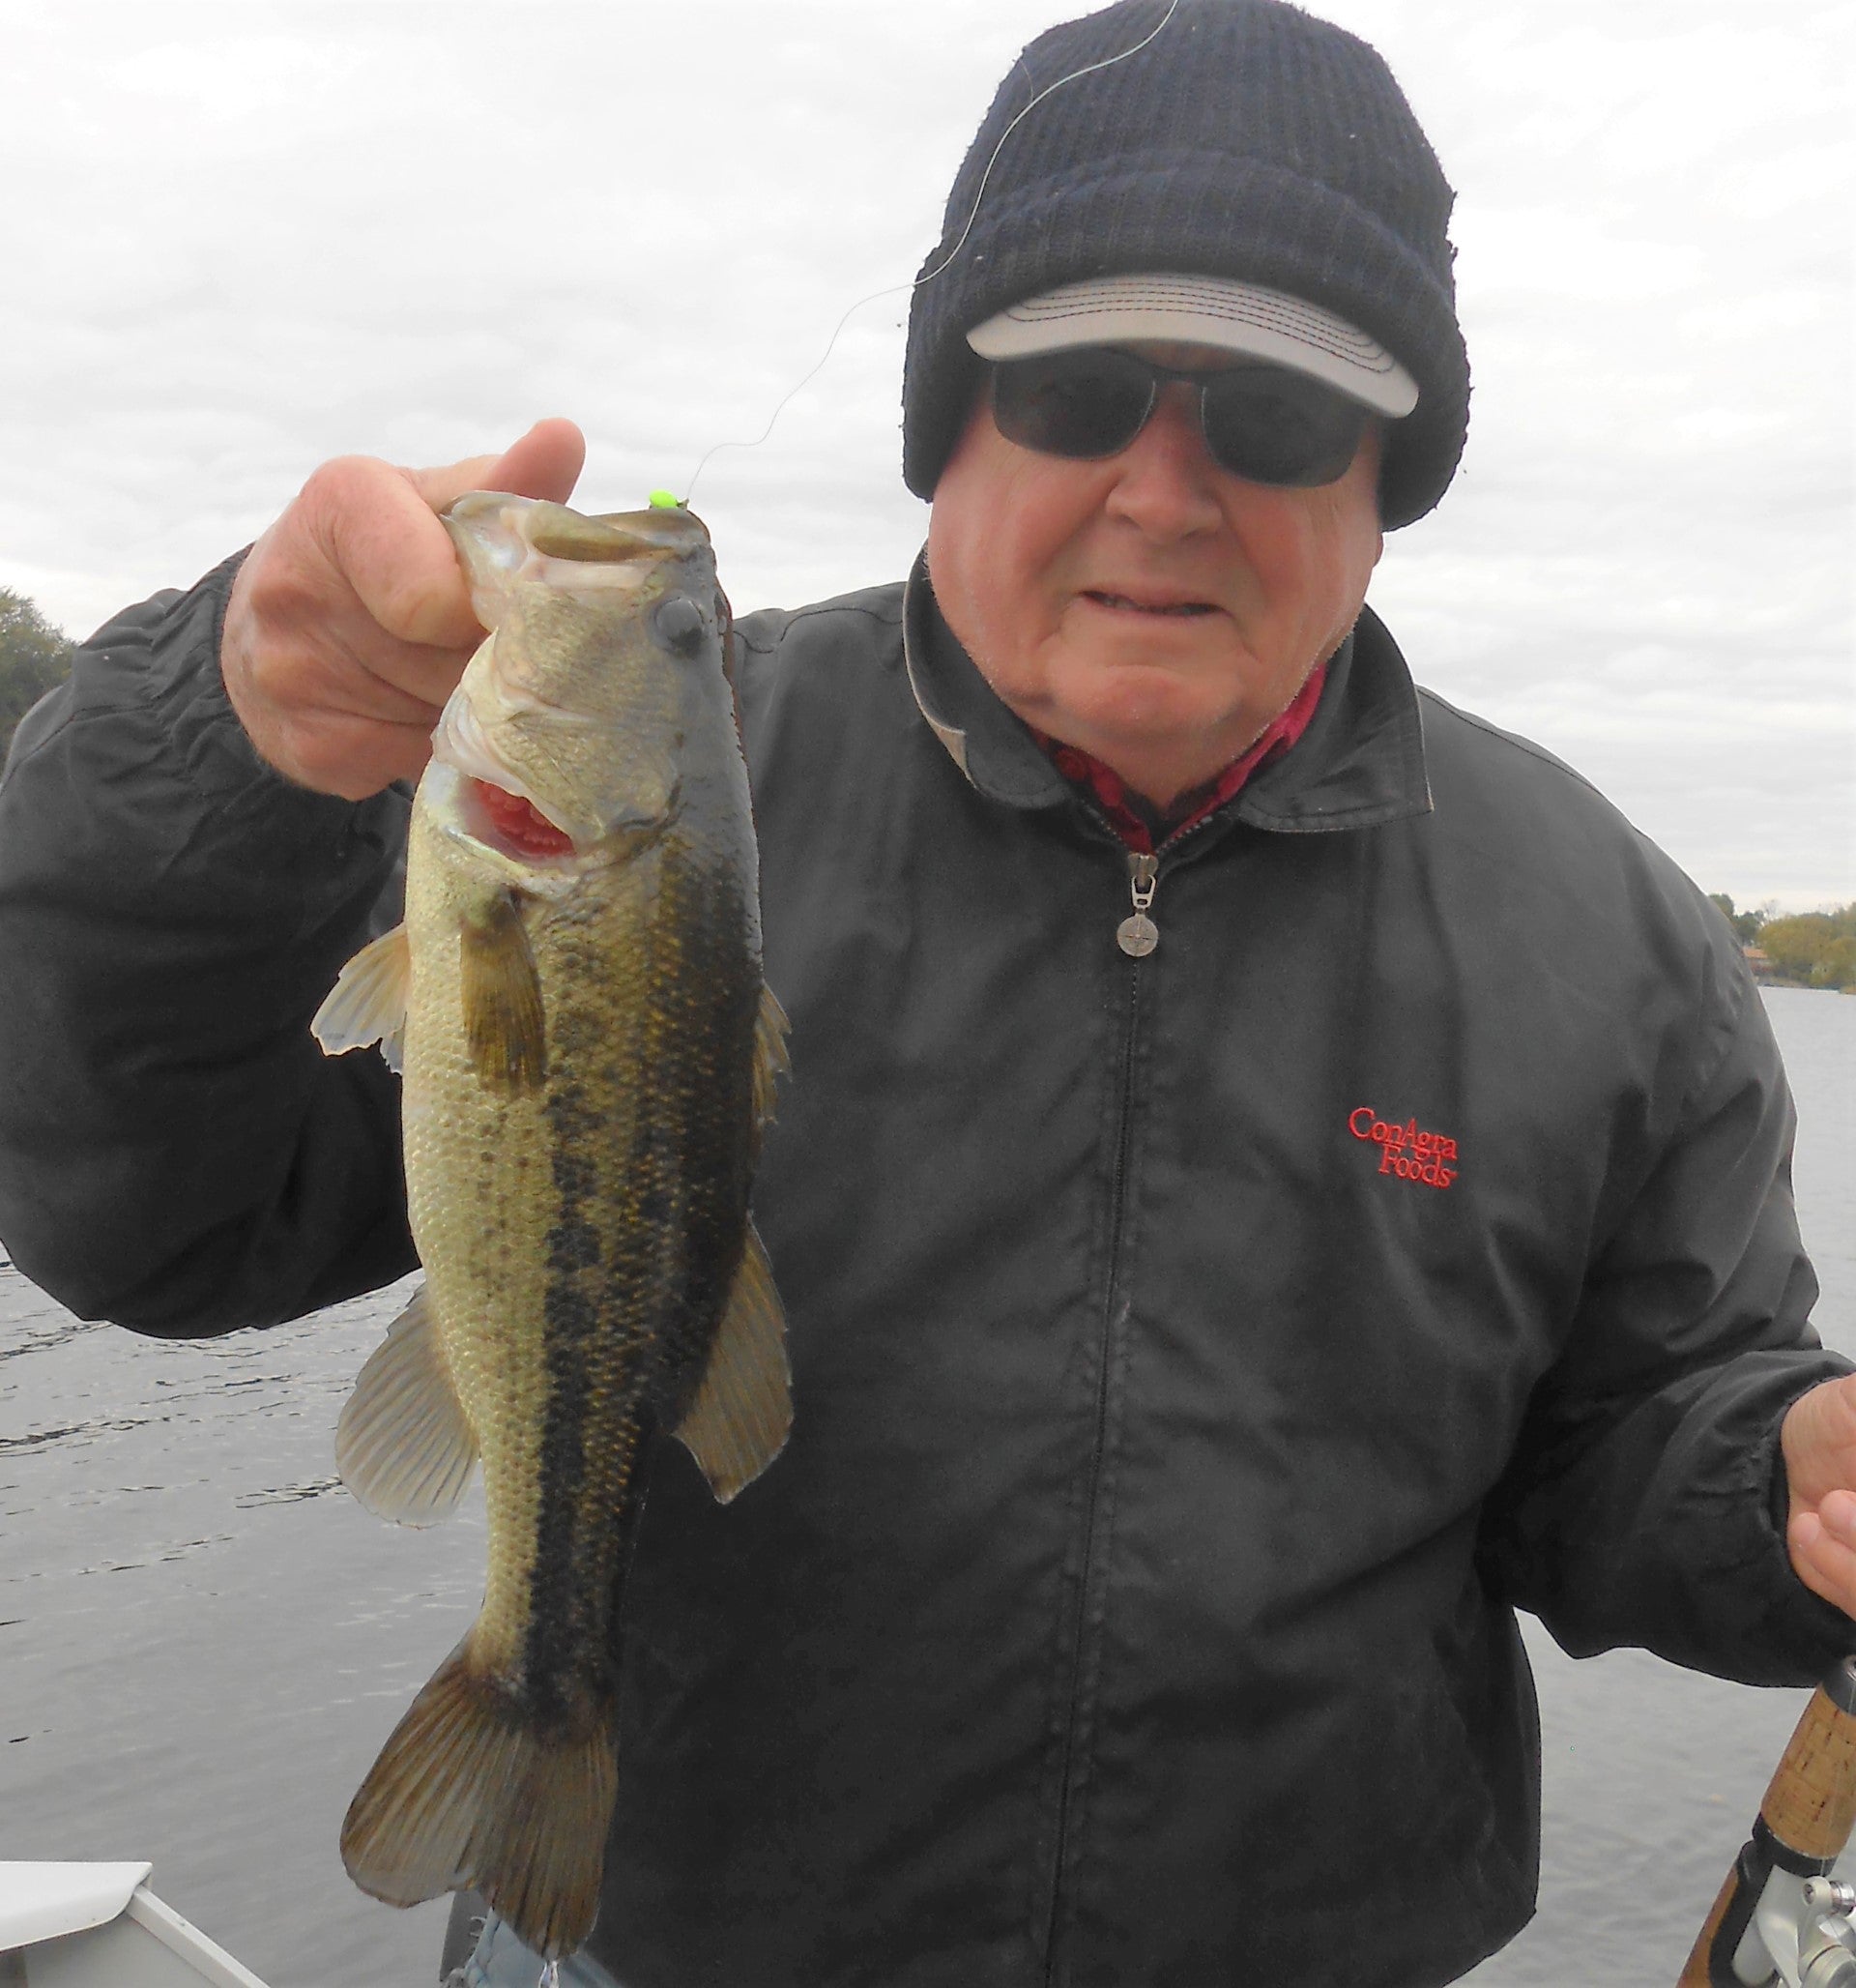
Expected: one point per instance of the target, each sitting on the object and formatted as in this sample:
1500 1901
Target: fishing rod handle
1805 1822
1810 1805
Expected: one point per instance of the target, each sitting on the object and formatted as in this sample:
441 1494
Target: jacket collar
1360 762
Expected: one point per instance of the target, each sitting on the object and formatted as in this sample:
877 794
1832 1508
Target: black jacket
1194 1357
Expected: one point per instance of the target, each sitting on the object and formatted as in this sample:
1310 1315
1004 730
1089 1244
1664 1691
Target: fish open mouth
516 824
494 808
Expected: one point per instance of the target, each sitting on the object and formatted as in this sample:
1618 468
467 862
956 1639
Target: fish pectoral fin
737 1424
367 1003
404 1445
471 1791
770 1060
501 997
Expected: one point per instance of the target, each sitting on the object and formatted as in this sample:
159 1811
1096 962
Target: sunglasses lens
1086 404
1261 422
1276 427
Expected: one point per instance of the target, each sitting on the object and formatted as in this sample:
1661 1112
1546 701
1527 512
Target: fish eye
680 625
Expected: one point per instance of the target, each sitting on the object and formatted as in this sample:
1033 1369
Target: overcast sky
241 237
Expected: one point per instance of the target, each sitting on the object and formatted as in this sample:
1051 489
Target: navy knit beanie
1249 141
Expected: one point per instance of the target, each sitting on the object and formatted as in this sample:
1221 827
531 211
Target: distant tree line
33 658
1812 949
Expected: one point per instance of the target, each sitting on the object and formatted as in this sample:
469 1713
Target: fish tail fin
467 1792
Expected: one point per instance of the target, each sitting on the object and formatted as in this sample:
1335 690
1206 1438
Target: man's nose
1166 481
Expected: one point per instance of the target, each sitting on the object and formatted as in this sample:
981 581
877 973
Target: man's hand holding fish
349 622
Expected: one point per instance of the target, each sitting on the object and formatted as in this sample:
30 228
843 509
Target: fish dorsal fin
770 1060
502 996
739 1421
404 1445
367 1003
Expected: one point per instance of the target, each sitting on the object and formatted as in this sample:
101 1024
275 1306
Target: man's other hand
1818 1438
350 621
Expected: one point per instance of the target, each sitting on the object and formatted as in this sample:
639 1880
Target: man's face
1152 607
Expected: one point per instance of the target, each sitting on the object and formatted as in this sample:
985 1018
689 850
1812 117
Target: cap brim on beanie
1247 319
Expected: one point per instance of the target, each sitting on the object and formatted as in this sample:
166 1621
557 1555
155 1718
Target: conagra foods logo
1405 1151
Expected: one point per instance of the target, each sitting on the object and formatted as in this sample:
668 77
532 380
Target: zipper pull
1139 935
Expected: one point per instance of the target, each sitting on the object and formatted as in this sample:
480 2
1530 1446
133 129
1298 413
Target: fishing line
662 499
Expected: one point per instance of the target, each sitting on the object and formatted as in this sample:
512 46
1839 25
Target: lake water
203 1639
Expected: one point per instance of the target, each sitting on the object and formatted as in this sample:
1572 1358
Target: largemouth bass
589 1056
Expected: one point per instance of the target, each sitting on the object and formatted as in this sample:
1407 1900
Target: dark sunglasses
1259 421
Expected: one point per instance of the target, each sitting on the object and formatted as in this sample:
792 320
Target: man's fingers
399 559
546 462
384 538
356 756
1822 1547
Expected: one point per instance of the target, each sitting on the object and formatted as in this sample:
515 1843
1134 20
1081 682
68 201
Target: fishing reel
1788 1931
1827 1951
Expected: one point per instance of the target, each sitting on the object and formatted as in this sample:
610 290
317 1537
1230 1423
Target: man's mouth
1122 603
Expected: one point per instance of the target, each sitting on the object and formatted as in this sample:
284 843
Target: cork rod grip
1810 1806
1808 1814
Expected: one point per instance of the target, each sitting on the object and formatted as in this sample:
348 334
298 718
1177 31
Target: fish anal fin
739 1421
770 1060
367 1003
502 996
468 1792
403 1443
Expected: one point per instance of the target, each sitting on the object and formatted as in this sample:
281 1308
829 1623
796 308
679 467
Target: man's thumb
545 462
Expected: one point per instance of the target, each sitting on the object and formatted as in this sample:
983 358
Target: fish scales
589 1056
631 1164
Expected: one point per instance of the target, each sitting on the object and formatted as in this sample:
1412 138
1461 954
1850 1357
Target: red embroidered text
1405 1151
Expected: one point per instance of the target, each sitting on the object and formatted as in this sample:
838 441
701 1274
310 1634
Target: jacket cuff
1792 1618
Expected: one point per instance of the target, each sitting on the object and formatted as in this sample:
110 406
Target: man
1277 1174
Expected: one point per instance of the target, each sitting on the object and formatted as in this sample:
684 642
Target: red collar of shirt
1134 821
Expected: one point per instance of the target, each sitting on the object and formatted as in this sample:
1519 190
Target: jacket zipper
1086 1576
1138 936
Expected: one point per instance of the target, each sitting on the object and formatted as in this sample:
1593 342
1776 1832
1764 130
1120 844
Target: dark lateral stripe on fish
582 1298
558 1647
682 1185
